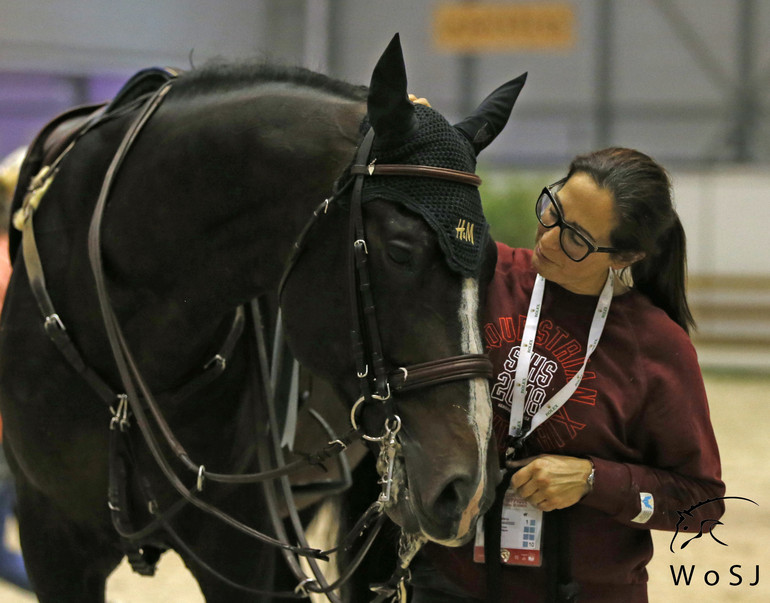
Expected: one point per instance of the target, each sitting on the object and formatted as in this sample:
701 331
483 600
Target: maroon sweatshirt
640 415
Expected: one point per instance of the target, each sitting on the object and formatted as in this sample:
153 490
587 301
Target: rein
134 382
144 556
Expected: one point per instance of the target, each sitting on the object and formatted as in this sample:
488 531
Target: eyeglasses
574 243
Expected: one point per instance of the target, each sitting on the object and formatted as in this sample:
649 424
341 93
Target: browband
427 171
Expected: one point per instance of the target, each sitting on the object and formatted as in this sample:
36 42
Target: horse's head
429 258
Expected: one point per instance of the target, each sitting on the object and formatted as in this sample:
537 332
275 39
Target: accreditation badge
521 535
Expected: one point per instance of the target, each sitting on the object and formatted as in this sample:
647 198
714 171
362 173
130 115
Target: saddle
62 131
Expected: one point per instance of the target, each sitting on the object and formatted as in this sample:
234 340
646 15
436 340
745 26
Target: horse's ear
489 119
391 113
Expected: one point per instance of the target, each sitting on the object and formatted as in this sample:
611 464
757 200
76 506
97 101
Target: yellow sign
494 27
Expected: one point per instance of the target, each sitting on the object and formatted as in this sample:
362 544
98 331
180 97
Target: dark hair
647 222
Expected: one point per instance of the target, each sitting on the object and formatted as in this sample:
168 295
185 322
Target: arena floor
741 414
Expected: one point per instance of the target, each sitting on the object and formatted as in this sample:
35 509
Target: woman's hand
551 481
419 101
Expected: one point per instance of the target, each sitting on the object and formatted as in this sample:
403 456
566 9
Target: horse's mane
219 75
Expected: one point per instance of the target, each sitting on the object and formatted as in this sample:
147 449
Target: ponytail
662 276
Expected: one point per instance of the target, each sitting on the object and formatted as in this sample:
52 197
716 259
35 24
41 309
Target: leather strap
426 171
493 522
69 127
54 327
137 391
375 380
366 341
444 370
218 363
365 331
57 332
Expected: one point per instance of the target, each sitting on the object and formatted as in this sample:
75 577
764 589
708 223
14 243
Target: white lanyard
515 427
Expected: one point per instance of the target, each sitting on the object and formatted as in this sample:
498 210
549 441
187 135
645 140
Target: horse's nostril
452 500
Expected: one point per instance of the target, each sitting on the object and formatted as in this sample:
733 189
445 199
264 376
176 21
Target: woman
601 412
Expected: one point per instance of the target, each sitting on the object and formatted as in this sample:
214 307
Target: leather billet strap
425 171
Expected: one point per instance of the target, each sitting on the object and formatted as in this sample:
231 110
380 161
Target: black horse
209 183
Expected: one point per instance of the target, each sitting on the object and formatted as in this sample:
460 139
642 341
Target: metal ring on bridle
353 412
388 431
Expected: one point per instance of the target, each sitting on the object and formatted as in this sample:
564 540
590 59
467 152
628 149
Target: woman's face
591 210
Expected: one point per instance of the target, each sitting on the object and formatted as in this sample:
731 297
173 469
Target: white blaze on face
479 407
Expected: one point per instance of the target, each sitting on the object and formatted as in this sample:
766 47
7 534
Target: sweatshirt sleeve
679 470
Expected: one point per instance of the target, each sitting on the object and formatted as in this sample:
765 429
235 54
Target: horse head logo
690 525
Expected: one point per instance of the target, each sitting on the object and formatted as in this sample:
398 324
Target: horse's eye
399 252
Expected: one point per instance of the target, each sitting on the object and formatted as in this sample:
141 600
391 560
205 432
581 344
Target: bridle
377 381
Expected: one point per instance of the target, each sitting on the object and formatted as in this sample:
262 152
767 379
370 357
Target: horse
177 218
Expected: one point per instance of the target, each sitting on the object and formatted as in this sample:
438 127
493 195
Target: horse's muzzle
444 511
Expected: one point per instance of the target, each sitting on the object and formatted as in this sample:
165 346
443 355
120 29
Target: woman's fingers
419 101
550 481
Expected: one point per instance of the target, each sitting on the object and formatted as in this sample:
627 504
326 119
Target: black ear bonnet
453 210
409 134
